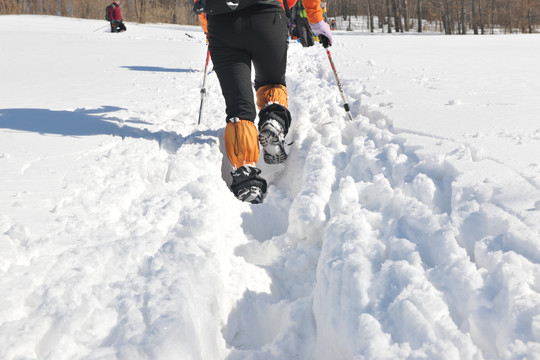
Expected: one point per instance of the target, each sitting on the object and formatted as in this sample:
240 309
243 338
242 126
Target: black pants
117 26
254 35
305 34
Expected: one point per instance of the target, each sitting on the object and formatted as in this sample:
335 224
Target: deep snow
411 232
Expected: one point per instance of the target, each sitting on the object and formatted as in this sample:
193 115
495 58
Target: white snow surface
411 232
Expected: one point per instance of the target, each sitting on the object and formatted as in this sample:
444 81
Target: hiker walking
241 33
114 15
302 25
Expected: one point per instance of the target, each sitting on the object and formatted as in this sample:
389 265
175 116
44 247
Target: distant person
115 16
324 12
302 24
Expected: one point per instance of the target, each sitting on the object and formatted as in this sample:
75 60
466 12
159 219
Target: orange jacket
313 10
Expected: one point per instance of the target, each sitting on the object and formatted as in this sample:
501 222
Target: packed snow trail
359 258
119 234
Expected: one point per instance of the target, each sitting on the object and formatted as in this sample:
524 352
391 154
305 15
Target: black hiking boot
273 126
247 185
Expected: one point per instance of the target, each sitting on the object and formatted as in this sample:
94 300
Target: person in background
115 14
242 33
301 22
324 12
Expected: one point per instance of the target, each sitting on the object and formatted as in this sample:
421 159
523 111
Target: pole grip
324 41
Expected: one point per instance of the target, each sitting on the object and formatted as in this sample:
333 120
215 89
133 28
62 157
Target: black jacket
218 7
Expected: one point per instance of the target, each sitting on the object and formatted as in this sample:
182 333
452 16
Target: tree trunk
141 10
445 16
463 18
474 17
397 16
388 17
370 16
529 20
419 14
492 21
481 18
405 14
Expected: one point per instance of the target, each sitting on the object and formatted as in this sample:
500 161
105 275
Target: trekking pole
203 89
325 43
100 28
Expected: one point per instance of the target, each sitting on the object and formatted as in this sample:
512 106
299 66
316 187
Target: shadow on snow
158 69
90 122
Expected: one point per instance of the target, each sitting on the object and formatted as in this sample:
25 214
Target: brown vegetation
448 16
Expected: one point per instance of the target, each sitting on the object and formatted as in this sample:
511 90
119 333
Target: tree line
448 16
142 11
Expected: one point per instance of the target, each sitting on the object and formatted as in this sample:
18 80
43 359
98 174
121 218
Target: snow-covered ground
411 232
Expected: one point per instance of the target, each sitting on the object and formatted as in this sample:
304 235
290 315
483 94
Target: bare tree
419 14
388 17
463 28
405 13
370 16
449 16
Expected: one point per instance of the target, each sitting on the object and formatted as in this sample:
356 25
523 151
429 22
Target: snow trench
386 252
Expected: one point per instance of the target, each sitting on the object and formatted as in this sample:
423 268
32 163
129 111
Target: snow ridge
382 227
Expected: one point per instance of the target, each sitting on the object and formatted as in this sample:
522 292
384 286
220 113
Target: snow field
398 235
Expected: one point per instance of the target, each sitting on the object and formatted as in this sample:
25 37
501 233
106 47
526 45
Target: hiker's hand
322 28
